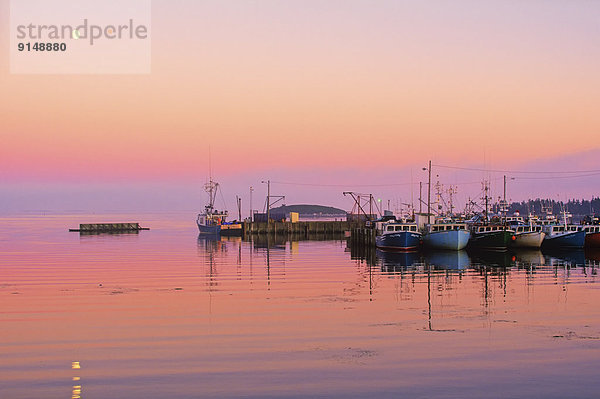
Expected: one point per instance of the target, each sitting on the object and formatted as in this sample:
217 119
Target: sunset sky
336 95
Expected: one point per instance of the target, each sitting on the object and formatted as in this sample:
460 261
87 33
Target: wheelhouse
490 229
590 229
400 227
528 229
448 227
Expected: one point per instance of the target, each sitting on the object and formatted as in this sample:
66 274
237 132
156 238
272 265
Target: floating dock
109 228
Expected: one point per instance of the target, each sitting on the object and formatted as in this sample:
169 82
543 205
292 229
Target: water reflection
213 247
450 260
300 310
76 389
396 262
526 258
574 258
391 261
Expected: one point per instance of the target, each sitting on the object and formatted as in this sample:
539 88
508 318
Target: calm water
166 314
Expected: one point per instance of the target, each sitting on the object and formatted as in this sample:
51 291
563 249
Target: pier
361 236
299 228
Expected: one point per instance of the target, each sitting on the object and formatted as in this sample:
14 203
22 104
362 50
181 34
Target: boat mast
486 198
210 187
429 195
504 200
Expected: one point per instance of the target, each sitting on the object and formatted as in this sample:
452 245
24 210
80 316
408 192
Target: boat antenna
209 164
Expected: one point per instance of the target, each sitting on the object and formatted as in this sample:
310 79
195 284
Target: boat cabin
447 227
513 219
212 219
589 229
400 227
490 228
561 228
528 229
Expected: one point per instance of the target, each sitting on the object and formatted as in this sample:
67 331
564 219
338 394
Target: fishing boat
528 236
449 236
491 236
592 235
212 221
491 233
403 236
564 236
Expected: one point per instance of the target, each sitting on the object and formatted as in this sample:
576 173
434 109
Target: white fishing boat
528 236
212 221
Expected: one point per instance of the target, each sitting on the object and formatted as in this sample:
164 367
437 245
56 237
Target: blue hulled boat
401 236
563 236
448 236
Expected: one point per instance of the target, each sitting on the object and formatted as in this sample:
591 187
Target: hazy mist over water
165 313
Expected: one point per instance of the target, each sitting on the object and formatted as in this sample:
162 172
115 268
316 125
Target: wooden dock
109 228
361 236
299 228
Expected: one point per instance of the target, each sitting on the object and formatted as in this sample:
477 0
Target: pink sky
304 91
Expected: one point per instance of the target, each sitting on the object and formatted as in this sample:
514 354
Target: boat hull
531 239
400 240
215 229
492 239
592 240
575 239
454 240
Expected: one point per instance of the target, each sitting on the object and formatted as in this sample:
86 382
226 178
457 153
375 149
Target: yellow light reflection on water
76 388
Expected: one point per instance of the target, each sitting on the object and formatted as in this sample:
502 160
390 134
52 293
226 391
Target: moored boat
592 235
212 221
448 236
403 236
528 236
563 236
491 236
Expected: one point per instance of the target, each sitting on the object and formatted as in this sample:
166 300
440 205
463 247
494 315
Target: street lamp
268 183
251 213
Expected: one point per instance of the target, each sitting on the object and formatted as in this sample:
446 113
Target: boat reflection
504 259
394 261
209 244
448 260
592 254
529 257
571 257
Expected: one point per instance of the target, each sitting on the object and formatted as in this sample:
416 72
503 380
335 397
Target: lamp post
251 213
268 182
